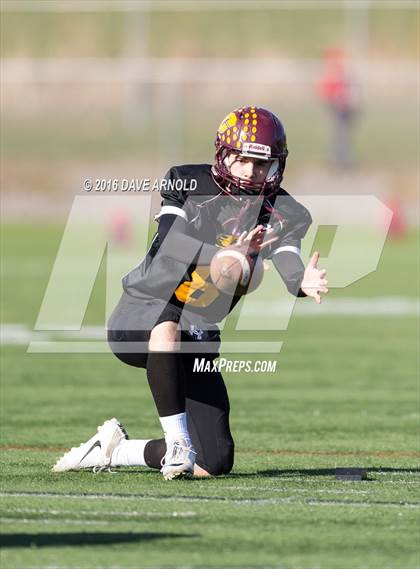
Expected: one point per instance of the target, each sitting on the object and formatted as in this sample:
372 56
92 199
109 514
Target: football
235 272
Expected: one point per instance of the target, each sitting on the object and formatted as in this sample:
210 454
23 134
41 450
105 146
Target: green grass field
345 394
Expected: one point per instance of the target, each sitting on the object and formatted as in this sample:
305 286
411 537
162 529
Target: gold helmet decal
227 124
229 131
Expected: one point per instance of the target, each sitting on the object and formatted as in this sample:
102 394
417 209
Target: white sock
129 453
175 427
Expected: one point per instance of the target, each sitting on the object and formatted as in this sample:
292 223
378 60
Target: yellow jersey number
199 291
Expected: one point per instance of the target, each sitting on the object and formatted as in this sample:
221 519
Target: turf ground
345 394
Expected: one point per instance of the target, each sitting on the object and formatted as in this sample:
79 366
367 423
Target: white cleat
96 452
179 460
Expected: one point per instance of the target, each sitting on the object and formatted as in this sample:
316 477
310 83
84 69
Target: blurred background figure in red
338 90
120 228
398 227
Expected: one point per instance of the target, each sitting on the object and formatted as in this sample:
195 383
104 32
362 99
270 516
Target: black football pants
207 407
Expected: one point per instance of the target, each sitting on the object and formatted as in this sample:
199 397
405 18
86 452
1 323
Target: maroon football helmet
251 132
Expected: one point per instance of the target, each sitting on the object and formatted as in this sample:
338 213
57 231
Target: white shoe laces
177 451
106 468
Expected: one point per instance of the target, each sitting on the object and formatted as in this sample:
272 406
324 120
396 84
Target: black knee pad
222 460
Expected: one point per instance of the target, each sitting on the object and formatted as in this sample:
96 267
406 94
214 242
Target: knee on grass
221 462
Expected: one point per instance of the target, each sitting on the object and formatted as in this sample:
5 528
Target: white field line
360 504
305 479
346 306
20 334
160 567
292 500
122 497
54 521
298 490
94 513
401 481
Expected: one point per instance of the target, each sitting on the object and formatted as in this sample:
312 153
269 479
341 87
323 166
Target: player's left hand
314 281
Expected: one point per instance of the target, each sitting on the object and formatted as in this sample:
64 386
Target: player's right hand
256 239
